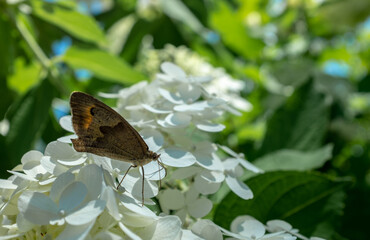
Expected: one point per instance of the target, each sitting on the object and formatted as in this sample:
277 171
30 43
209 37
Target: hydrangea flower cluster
64 194
222 84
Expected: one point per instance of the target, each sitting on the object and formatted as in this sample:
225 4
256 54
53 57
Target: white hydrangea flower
222 85
247 227
65 194
190 202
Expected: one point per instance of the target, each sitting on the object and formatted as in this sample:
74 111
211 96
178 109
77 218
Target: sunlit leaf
102 64
70 20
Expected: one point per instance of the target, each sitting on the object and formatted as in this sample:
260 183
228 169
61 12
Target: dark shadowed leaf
303 199
27 118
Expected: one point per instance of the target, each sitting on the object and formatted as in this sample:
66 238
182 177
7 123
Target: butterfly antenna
124 175
159 174
163 167
142 188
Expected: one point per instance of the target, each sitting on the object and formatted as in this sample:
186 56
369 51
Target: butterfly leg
125 175
142 187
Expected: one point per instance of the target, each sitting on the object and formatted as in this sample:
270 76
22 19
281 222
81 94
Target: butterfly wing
102 131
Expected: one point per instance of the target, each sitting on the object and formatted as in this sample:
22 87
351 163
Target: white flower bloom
222 85
206 229
183 204
65 194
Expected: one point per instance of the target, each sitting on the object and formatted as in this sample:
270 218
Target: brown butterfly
104 132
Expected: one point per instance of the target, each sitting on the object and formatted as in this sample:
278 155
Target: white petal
87 213
207 230
153 138
213 176
7 184
131 203
128 232
230 164
170 96
23 176
32 155
168 227
185 172
67 139
172 198
189 235
229 151
195 107
154 110
177 158
47 181
61 151
60 183
75 232
189 92
92 176
150 189
37 208
23 224
172 70
278 225
204 186
135 220
178 119
249 166
109 197
239 188
210 162
191 195
66 123
153 171
34 169
200 207
210 127
52 167
73 161
250 228
72 196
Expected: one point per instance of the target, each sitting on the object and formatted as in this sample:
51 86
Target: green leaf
102 64
287 159
301 198
301 123
27 118
70 20
25 76
234 33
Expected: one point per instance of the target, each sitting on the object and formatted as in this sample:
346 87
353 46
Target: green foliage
303 199
102 64
304 117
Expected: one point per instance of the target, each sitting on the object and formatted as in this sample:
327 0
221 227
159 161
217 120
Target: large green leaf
287 159
70 20
234 33
27 118
102 64
301 123
301 198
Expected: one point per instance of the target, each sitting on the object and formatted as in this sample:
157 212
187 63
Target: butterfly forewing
103 131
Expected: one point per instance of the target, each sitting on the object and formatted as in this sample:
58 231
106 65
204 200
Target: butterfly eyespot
92 111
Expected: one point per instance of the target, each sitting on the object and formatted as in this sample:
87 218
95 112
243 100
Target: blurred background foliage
304 66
